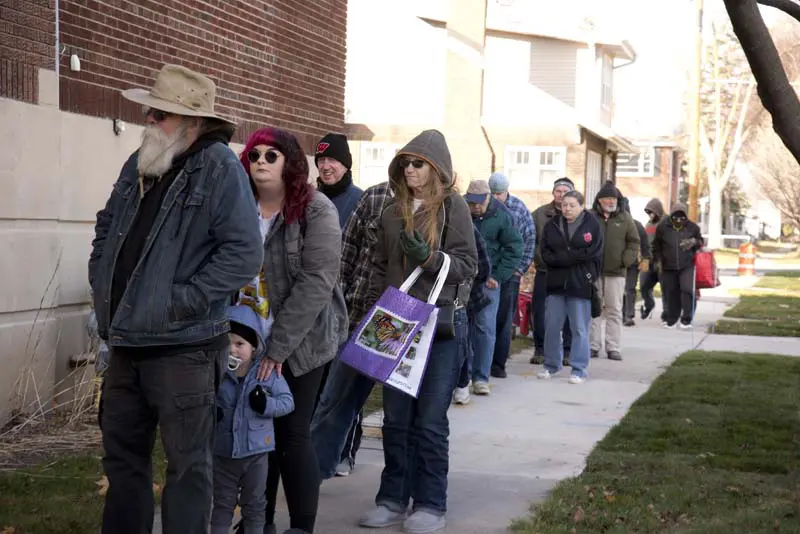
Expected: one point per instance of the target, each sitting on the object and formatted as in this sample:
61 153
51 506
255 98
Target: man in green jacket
620 251
504 248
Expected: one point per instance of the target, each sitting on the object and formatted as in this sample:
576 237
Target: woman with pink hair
304 305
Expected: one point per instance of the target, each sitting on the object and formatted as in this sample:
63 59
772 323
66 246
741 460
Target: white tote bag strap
440 279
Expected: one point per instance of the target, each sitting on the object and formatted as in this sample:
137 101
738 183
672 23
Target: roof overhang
615 141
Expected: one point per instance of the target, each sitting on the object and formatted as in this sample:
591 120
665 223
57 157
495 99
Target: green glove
414 247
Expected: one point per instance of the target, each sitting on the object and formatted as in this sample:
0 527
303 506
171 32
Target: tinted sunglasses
405 162
270 155
157 114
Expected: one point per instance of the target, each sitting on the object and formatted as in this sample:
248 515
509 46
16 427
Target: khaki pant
612 291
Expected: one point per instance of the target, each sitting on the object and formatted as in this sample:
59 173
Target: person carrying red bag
675 244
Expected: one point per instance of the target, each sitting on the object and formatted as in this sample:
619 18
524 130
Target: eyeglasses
271 156
405 162
157 114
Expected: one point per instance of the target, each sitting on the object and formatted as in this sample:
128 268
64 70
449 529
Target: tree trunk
715 213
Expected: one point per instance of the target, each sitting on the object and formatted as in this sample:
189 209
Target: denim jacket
242 432
204 245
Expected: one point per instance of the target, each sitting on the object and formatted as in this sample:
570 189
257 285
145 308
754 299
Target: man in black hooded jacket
632 276
676 242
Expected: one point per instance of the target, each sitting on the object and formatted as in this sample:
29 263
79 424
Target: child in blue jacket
245 433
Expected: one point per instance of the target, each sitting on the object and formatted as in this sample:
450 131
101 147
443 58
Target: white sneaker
575 379
461 396
544 374
481 388
668 326
685 326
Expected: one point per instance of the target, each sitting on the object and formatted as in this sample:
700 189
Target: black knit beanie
609 190
247 333
334 146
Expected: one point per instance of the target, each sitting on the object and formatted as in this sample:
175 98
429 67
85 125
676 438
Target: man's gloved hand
219 414
657 266
258 400
687 244
644 265
414 247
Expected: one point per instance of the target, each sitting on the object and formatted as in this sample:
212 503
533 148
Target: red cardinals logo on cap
587 237
322 147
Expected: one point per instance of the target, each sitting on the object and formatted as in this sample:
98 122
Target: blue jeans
539 300
465 375
483 337
579 312
509 291
343 396
415 432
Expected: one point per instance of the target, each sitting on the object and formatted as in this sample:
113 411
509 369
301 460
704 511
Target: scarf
334 190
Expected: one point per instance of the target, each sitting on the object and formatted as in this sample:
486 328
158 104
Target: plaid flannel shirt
524 223
359 240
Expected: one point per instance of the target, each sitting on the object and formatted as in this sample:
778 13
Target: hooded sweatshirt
456 233
666 243
656 207
242 432
620 238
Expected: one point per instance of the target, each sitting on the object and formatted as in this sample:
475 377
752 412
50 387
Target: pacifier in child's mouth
233 362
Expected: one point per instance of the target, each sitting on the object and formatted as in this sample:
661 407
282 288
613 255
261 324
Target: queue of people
226 288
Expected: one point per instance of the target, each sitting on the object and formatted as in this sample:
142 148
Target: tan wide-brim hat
180 91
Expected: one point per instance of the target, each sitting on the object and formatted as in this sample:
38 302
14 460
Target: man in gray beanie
540 218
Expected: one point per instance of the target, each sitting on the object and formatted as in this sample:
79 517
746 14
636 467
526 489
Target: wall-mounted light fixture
74 60
118 125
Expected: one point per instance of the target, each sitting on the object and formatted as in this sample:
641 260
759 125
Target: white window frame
367 147
607 82
640 168
533 167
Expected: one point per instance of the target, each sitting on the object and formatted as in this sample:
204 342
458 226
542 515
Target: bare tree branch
776 93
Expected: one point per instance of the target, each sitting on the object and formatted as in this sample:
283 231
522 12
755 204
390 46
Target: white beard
159 149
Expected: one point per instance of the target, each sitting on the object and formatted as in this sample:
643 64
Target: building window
607 81
374 166
637 164
535 168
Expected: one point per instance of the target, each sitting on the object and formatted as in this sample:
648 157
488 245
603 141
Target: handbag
597 302
392 343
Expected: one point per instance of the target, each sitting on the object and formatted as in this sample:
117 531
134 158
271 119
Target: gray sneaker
422 522
344 468
381 517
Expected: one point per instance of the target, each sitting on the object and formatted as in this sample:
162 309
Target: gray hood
431 146
679 206
656 207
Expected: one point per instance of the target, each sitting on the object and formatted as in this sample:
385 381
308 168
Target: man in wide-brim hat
178 236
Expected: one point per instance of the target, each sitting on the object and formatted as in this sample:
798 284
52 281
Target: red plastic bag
706 274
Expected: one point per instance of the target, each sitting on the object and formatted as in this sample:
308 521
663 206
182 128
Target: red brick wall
278 63
27 43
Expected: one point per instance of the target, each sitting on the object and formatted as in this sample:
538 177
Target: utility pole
694 149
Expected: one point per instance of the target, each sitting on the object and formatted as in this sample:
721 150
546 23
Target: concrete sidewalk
510 449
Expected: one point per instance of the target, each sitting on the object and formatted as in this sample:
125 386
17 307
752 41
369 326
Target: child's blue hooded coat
242 432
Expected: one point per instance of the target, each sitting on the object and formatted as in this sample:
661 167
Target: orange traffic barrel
747 260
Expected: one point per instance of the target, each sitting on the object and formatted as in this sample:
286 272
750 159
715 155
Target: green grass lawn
780 280
61 496
712 448
762 315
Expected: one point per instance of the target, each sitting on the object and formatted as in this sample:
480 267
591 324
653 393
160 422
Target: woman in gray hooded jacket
427 219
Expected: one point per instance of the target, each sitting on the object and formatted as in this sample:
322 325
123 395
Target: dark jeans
539 299
466 368
647 282
678 290
353 441
294 458
416 431
178 393
509 291
343 397
629 300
